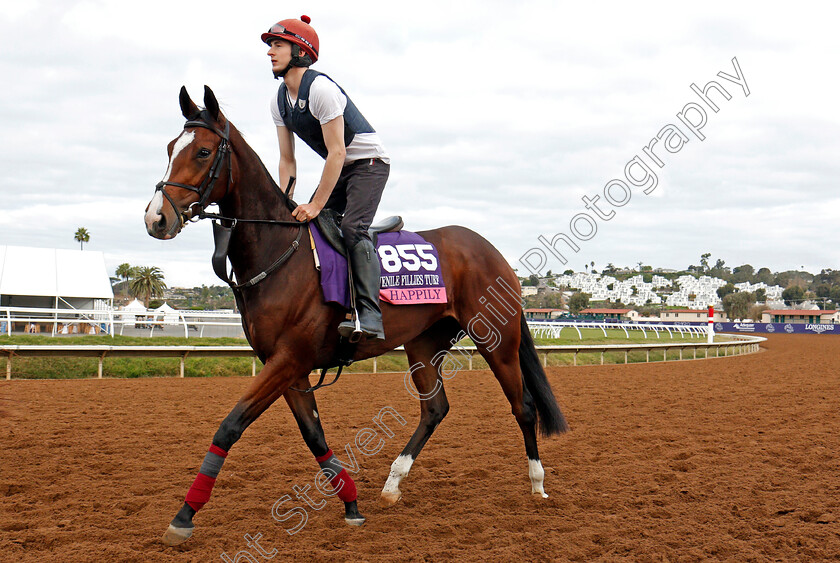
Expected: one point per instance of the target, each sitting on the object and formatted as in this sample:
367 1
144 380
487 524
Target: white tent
135 305
52 277
137 308
167 314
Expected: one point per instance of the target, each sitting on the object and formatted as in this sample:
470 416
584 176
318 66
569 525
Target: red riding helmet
298 32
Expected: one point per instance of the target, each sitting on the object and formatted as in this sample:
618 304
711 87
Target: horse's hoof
355 520
543 494
390 498
176 536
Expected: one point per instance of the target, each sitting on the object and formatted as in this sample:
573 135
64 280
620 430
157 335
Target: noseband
209 182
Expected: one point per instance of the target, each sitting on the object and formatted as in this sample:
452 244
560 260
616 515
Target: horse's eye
203 153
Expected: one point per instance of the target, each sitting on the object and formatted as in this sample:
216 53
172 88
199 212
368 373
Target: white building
54 278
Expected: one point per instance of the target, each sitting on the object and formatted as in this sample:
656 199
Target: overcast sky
499 116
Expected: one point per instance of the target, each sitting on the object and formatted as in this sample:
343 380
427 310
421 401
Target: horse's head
200 168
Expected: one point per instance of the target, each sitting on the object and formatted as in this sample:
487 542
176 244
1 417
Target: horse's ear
188 107
210 102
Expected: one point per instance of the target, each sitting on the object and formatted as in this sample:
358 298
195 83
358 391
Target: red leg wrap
347 486
199 492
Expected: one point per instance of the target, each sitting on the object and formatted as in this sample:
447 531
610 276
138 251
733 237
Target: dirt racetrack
728 459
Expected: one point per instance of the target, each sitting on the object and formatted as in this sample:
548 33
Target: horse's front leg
306 414
274 378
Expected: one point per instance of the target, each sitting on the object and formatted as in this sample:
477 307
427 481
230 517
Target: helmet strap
278 74
299 59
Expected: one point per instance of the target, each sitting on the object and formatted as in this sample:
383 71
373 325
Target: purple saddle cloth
409 265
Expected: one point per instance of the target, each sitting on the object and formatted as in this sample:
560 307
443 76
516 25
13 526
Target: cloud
498 117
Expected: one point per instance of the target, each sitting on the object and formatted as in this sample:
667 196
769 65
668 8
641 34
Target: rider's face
280 53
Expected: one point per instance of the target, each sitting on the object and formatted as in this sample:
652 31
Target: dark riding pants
356 195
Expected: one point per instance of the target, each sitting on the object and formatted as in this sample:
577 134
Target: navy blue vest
300 120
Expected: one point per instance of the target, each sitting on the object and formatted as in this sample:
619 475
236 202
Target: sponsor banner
783 328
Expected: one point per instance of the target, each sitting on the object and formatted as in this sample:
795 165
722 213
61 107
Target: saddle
329 223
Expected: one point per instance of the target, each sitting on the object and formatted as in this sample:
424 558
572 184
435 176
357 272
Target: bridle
209 182
221 233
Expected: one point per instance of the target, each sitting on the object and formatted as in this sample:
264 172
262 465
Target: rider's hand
306 211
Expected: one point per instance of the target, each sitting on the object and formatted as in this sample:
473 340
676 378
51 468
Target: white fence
136 323
738 345
228 323
552 329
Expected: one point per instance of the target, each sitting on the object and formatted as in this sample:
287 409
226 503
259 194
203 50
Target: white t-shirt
326 102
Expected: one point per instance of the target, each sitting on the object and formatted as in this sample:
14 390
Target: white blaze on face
156 205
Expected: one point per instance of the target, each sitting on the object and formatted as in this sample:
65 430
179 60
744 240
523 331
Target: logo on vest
302 104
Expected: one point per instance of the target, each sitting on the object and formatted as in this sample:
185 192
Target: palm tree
124 272
82 236
147 282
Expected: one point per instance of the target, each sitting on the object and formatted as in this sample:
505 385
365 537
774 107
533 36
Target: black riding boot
365 267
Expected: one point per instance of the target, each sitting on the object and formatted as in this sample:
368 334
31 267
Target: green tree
578 302
760 295
737 305
756 311
823 290
146 283
82 236
764 275
720 270
704 261
793 295
124 273
547 300
725 290
829 276
532 280
742 273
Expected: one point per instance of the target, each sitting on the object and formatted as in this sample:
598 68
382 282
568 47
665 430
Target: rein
222 234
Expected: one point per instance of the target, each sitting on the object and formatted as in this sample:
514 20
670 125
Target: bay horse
294 331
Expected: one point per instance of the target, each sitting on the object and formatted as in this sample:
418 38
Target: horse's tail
551 419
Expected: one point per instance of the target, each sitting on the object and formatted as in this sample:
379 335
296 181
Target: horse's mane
251 152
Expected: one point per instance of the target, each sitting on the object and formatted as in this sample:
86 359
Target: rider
314 107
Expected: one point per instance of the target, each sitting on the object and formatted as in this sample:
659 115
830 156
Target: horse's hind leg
306 414
425 354
528 391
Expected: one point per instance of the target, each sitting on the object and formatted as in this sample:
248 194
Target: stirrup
353 334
